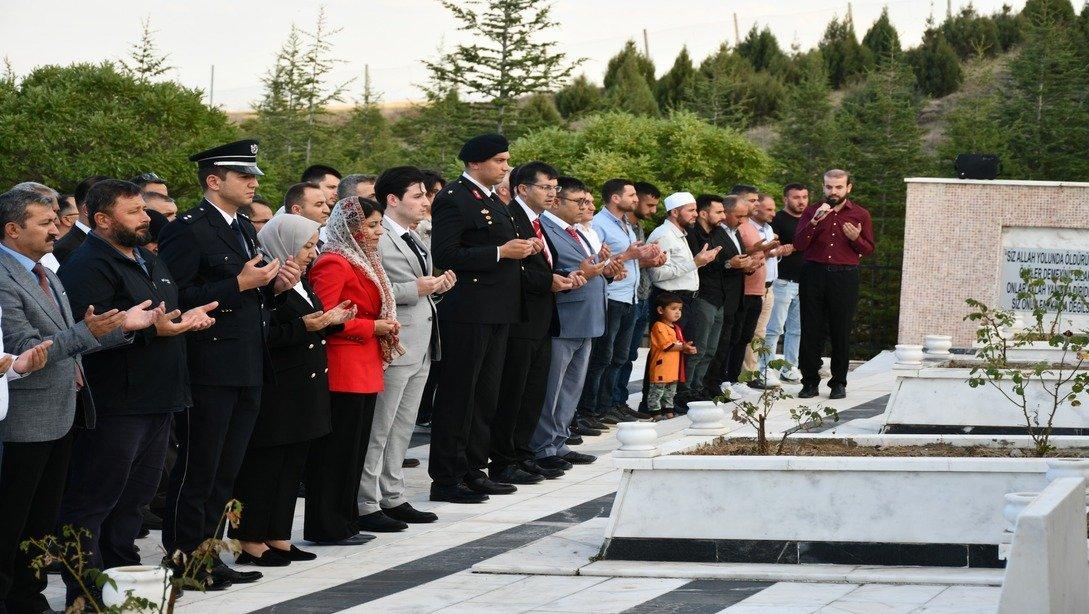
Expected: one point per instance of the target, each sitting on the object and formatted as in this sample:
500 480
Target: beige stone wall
953 242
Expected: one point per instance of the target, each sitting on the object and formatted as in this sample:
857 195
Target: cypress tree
716 94
630 91
808 135
882 40
935 64
843 56
578 98
762 50
644 65
670 89
971 35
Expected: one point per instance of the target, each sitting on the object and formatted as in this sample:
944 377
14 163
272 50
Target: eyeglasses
579 201
547 188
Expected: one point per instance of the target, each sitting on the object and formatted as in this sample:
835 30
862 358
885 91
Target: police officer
474 236
211 251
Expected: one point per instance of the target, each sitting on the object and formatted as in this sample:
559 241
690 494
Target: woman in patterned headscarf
350 269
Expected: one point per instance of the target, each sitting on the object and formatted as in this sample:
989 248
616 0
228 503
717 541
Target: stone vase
707 417
142 580
909 355
636 436
937 345
1069 468
1016 502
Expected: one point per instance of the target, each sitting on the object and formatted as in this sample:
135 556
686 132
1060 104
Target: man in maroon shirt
834 234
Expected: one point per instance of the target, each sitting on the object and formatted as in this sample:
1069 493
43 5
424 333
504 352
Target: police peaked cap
239 156
483 147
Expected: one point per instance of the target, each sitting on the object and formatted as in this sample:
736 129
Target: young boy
667 349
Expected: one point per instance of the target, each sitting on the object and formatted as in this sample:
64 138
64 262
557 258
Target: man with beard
786 319
137 386
834 235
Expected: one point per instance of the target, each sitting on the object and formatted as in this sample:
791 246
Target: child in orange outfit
667 350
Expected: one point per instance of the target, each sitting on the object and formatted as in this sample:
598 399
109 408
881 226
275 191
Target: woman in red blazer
349 269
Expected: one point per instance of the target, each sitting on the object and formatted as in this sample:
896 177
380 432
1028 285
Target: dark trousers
521 394
607 354
30 496
427 401
117 469
623 376
334 468
267 485
829 298
729 336
158 502
753 304
212 440
466 399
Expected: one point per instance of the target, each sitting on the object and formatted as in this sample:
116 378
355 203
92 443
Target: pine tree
1046 111
644 64
882 40
844 57
670 89
365 141
716 94
762 50
1059 12
578 98
508 61
630 91
145 62
974 124
808 135
935 64
538 112
971 35
434 132
1009 28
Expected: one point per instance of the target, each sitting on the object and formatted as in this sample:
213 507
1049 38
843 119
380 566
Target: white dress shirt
532 215
679 271
591 235
587 249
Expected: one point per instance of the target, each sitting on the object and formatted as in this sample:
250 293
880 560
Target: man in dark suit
474 236
733 292
211 252
529 346
137 386
67 244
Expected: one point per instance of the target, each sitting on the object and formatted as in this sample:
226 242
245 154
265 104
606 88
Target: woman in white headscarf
294 407
350 269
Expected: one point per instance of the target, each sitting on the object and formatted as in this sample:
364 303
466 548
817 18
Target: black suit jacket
205 258
296 407
468 228
67 244
540 302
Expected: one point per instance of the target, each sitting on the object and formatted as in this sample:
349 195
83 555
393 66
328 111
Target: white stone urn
142 580
909 355
937 345
1016 502
637 437
1068 468
708 418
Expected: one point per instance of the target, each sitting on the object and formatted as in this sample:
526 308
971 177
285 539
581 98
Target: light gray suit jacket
42 405
415 313
582 310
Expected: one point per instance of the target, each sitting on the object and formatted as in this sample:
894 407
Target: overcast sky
241 37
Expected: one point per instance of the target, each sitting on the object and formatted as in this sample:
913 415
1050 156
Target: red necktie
575 235
540 235
43 282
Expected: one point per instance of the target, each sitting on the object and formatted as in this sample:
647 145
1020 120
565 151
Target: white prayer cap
679 199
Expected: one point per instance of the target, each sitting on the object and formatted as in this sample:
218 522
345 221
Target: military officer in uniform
211 251
475 236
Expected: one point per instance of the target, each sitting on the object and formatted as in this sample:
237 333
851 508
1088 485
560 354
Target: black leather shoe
535 469
212 582
514 475
635 413
808 392
584 430
485 486
378 522
410 463
294 554
574 440
554 462
222 572
576 458
456 494
268 558
591 421
607 418
355 540
623 416
838 392
409 514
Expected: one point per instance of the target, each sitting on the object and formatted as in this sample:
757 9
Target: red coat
355 364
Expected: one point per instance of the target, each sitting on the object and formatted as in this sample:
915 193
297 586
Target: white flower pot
1069 468
637 436
909 354
143 580
1016 502
706 416
937 345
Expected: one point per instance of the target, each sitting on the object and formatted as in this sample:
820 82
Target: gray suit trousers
566 375
383 482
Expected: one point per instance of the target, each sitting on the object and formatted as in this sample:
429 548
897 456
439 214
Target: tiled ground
427 567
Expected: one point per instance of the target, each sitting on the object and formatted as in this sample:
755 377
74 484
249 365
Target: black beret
483 147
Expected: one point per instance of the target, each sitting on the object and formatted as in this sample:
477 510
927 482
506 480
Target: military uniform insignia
476 194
